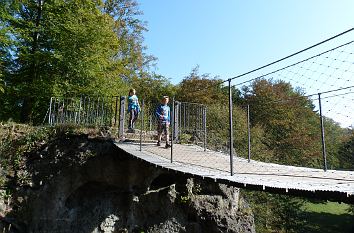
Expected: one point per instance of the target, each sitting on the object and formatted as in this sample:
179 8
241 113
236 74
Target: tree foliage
346 153
198 88
277 213
289 120
75 47
151 88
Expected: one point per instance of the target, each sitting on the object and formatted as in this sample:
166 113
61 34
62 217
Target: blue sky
229 37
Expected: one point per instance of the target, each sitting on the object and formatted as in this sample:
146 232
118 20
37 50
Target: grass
328 217
334 208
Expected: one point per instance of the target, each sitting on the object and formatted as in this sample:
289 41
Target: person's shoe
158 144
167 146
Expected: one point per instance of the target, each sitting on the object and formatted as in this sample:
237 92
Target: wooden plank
192 159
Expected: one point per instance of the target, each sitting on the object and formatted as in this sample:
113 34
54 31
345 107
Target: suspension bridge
223 147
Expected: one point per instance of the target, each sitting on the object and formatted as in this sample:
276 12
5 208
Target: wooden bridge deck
193 160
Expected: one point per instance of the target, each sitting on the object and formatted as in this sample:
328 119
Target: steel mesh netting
190 134
145 127
190 123
147 131
286 131
337 110
87 111
201 133
293 136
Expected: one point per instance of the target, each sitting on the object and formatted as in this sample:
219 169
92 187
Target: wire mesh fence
281 121
190 123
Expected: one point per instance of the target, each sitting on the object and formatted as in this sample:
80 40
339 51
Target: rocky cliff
82 184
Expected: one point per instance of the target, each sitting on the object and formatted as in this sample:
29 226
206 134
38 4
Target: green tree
276 213
200 88
218 133
346 153
152 87
336 139
75 47
288 118
129 31
5 41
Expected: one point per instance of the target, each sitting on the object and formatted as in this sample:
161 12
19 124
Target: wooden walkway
300 181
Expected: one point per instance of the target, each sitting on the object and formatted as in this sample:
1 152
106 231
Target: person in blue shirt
163 116
133 108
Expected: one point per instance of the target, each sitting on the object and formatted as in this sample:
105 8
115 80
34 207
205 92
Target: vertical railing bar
142 123
103 112
184 119
88 115
201 110
83 111
50 111
65 111
62 114
73 103
249 132
116 111
72 117
97 110
322 135
121 116
172 126
180 121
187 117
230 130
205 129
57 111
55 115
80 105
93 111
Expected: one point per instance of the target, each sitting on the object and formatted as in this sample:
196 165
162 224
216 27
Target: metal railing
85 110
225 129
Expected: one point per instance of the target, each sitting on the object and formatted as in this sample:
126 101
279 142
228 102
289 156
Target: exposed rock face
89 185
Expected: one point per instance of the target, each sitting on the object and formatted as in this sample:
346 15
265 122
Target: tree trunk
26 110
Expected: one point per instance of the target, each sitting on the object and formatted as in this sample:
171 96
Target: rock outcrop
81 184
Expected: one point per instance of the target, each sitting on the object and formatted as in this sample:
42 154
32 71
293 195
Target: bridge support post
249 133
322 135
142 123
50 111
176 108
116 111
172 126
204 127
79 115
121 117
231 137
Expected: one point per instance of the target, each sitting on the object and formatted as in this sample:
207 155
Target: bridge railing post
205 127
116 111
324 154
79 114
249 132
231 138
172 126
121 117
50 111
142 123
176 108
